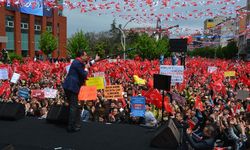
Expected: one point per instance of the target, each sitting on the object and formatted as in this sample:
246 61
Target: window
37 28
24 26
10 24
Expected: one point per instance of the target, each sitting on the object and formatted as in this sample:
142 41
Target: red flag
198 104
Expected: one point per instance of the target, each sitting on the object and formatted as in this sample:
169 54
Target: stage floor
31 133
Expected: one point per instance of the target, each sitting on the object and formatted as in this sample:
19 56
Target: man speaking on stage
74 80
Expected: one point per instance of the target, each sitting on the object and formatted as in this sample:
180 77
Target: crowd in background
210 116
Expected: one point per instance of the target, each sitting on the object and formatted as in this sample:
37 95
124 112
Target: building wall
25 41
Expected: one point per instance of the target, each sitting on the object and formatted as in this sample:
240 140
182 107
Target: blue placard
138 106
24 92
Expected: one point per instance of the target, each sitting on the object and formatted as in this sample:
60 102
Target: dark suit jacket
76 77
207 144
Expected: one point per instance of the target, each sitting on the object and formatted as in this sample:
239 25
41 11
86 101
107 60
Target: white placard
176 72
4 74
15 78
50 93
211 69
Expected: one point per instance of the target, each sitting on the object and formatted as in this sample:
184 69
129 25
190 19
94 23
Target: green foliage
148 48
227 52
47 43
76 43
14 56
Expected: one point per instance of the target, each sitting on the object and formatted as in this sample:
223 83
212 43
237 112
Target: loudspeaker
178 45
162 82
11 111
167 136
58 114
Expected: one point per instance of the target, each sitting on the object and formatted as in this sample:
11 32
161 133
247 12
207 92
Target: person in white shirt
150 120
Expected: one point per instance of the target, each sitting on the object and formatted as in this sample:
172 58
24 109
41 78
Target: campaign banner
138 107
15 78
176 72
37 94
113 92
87 93
4 74
96 81
50 93
211 69
229 73
24 92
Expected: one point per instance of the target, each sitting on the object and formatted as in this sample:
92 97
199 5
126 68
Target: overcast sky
92 22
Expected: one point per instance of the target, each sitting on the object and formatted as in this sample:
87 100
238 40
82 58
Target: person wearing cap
74 80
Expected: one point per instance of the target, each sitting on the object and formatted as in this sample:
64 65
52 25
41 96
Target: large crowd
209 114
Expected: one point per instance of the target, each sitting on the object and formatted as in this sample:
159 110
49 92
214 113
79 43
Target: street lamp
123 37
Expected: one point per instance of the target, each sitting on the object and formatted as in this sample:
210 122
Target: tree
76 43
148 48
231 50
48 43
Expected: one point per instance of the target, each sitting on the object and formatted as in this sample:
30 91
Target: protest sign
87 93
113 92
96 81
37 94
24 92
242 94
138 106
211 69
15 78
176 72
50 93
4 74
229 73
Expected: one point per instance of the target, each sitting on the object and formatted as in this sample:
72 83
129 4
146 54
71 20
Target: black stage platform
34 134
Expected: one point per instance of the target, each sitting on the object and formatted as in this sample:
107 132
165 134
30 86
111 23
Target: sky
94 22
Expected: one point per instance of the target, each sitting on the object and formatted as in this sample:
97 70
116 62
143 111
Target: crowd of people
211 114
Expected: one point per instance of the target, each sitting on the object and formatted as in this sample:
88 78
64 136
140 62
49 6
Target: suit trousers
74 110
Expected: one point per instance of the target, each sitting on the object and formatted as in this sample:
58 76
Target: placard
176 72
24 92
211 69
4 74
137 105
113 92
37 94
15 78
50 93
87 93
98 82
229 73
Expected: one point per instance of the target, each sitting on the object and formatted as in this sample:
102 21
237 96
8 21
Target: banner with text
50 93
87 93
96 81
4 74
113 92
37 94
176 72
138 106
15 78
24 92
229 73
211 69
